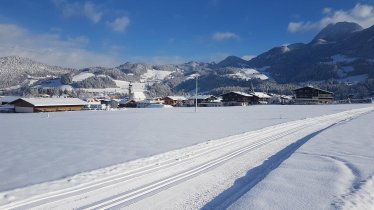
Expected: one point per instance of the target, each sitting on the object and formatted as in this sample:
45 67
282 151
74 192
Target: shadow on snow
256 175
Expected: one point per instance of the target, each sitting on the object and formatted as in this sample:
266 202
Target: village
307 95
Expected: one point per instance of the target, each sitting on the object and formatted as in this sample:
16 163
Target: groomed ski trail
123 189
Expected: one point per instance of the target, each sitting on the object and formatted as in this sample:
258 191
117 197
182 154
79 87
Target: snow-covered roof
8 99
261 95
54 101
240 93
177 98
309 86
202 97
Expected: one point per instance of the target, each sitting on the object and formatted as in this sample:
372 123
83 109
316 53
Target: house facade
260 98
204 101
312 95
175 100
235 98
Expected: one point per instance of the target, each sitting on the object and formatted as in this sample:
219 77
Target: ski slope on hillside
206 175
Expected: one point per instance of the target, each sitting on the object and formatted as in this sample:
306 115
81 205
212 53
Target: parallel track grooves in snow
262 136
182 176
127 197
128 175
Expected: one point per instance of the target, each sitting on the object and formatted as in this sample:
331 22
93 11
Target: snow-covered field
155 75
38 148
334 170
82 76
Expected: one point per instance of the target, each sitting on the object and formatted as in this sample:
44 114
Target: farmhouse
175 100
235 98
25 105
260 98
204 101
312 95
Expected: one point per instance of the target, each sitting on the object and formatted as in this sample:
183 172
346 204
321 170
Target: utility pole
196 95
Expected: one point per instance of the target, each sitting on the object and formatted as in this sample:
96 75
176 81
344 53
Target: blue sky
107 33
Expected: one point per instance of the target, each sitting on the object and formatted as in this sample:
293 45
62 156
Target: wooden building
175 100
260 98
312 95
27 105
204 101
236 98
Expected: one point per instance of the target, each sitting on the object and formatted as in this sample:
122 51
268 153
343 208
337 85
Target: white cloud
119 24
326 10
92 12
221 36
51 48
88 9
362 14
248 57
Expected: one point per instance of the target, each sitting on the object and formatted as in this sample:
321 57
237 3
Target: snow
123 87
55 83
8 99
192 76
177 98
138 96
54 101
248 74
333 170
155 75
341 59
136 86
242 93
285 49
74 142
261 95
82 76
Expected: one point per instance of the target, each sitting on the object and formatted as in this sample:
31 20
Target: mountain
16 70
337 32
232 61
342 51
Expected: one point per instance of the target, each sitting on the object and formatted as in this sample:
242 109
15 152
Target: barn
27 105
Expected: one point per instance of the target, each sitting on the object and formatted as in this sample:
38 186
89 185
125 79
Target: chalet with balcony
312 95
236 98
175 100
204 101
260 98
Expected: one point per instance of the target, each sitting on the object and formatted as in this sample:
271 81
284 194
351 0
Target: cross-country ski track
200 176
